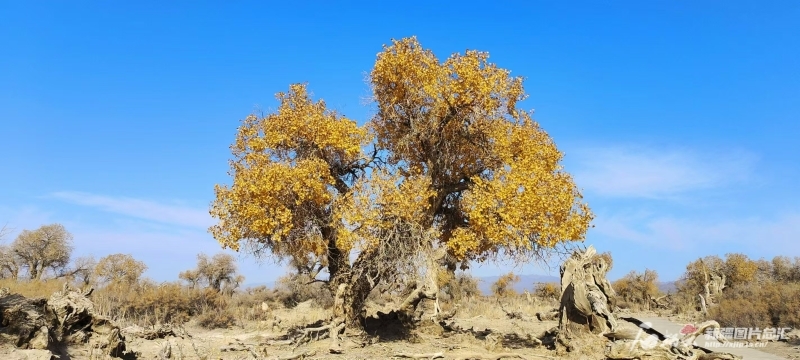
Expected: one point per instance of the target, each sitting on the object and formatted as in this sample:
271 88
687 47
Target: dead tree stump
586 295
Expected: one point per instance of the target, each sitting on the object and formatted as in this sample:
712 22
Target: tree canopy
48 247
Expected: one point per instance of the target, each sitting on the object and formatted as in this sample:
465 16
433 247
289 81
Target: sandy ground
256 339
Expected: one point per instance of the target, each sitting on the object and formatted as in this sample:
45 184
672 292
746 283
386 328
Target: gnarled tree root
66 318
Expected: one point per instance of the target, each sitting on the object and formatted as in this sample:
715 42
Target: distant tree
4 231
548 290
119 269
191 276
48 247
81 270
782 268
9 266
699 273
638 287
739 269
217 272
504 286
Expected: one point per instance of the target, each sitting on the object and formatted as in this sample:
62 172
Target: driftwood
66 318
661 302
586 295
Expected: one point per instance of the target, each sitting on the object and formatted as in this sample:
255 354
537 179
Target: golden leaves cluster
283 179
527 202
425 106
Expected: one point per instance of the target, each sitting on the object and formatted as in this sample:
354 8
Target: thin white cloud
142 209
640 172
776 235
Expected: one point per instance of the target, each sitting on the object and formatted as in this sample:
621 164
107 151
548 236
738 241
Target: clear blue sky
679 119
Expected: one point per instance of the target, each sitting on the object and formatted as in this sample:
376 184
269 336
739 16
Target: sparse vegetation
761 294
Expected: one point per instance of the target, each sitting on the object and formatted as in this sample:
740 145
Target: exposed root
667 347
317 333
469 356
66 318
476 332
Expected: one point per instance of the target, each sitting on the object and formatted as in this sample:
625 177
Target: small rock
40 340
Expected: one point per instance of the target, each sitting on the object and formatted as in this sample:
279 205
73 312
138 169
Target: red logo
688 329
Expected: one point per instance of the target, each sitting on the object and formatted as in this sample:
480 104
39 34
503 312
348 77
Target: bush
296 288
504 286
459 287
547 290
216 319
741 313
759 305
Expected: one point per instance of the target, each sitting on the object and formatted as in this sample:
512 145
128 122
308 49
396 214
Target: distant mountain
668 287
526 282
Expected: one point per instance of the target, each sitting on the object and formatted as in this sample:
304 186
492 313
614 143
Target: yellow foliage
739 268
285 175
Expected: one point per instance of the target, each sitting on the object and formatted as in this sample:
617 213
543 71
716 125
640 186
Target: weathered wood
586 295
66 318
658 347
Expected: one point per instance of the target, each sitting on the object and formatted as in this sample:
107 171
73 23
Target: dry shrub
297 288
740 312
255 304
459 287
147 303
759 305
636 289
497 308
33 288
504 286
548 290
216 319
